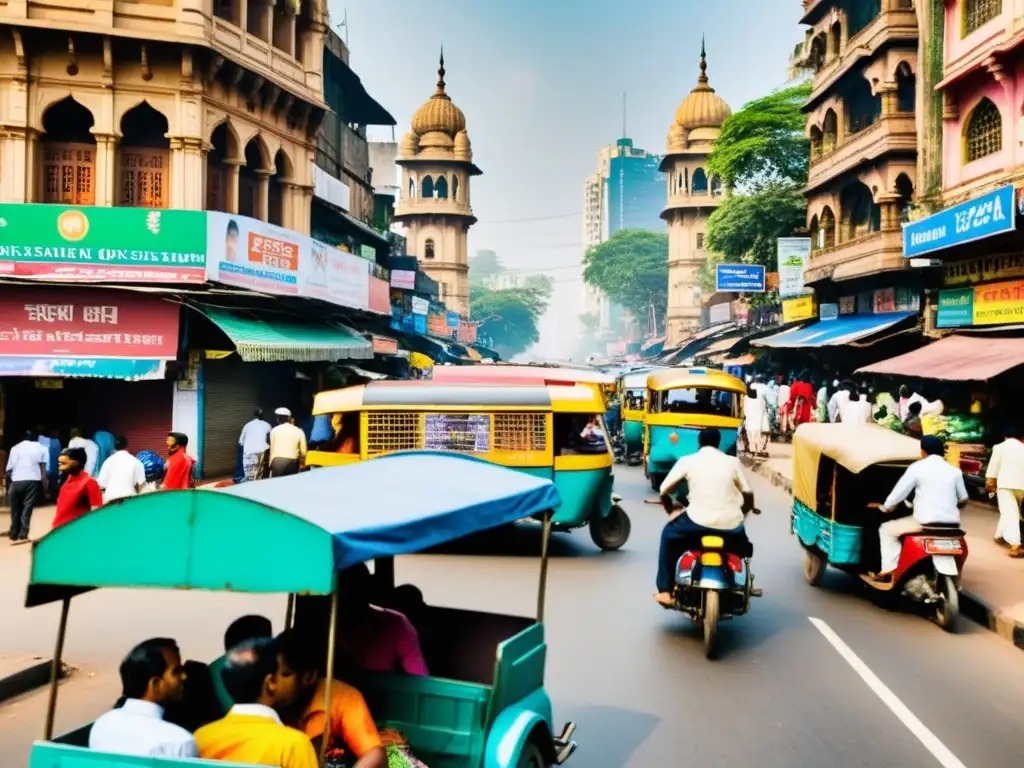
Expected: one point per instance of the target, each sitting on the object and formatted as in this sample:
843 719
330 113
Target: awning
651 344
833 333
723 345
265 341
955 358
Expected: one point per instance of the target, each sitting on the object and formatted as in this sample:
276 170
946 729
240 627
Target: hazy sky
541 83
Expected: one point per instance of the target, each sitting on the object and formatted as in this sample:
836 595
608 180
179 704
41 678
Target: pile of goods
955 428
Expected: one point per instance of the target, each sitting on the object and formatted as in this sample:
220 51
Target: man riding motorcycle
718 499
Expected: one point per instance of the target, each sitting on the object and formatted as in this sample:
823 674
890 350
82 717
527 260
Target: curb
24 680
971 606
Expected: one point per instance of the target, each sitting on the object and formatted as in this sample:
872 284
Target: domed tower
435 204
692 195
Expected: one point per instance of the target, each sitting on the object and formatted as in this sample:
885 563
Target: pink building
983 96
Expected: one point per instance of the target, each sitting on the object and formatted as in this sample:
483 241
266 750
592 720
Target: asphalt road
632 675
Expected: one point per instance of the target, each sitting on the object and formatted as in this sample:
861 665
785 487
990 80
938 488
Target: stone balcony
435 206
682 201
866 255
891 133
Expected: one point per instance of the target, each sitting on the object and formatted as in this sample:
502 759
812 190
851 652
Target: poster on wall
248 253
847 305
884 301
793 253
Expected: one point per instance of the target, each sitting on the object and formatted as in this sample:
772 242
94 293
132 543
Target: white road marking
931 742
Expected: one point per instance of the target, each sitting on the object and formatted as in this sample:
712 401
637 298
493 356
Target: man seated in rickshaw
718 498
594 438
260 681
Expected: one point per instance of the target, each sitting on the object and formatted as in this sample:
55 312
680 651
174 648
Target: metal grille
984 131
390 432
977 13
520 432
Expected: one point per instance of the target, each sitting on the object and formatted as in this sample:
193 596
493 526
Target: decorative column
231 184
106 168
890 99
263 194
17 158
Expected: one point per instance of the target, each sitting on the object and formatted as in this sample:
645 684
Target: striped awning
260 340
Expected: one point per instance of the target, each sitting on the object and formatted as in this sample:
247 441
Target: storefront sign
380 296
990 214
847 305
419 324
453 320
884 301
382 345
249 253
403 279
102 244
999 303
437 324
956 308
467 332
103 368
793 253
368 252
828 312
747 278
420 306
983 269
719 313
798 309
39 325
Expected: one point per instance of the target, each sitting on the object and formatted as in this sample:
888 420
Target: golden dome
439 113
703 108
463 147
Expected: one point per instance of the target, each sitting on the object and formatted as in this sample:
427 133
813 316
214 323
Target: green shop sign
956 308
101 244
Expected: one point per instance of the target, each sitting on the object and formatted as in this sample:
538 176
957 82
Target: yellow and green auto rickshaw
680 403
546 430
484 705
632 388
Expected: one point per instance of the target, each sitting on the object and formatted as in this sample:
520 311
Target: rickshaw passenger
718 499
152 678
352 727
262 685
242 629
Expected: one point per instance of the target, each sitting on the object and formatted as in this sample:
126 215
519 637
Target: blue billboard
746 278
990 214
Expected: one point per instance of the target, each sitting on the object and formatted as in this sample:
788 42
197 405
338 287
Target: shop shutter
139 410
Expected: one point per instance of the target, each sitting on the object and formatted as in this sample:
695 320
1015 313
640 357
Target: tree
744 228
484 264
632 270
509 316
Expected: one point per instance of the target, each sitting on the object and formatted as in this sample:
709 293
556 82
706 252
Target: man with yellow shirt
260 682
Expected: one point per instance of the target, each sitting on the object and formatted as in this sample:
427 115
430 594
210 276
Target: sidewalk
993 584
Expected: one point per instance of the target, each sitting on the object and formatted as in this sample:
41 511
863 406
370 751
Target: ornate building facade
692 196
436 210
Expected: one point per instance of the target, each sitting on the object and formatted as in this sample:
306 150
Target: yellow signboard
999 303
983 269
801 308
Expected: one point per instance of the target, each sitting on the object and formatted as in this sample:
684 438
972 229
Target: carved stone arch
266 159
234 149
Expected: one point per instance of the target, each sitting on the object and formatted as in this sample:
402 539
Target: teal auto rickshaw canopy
288 534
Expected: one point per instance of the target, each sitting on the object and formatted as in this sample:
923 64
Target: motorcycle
619 449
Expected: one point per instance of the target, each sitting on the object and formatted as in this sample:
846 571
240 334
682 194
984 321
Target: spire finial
703 78
440 74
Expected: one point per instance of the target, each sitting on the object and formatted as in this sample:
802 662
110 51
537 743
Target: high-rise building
636 189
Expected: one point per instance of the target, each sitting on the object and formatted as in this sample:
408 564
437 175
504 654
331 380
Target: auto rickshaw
842 473
511 373
482 706
529 426
680 403
632 388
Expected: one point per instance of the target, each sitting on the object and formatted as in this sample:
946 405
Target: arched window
700 182
455 188
428 248
815 232
441 188
816 142
827 229
679 182
427 191
978 13
716 186
861 215
984 133
830 132
905 189
412 189
906 88
686 180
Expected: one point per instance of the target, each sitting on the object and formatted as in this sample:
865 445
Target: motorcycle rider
718 500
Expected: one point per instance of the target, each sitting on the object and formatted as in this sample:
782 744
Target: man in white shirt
26 483
122 475
856 410
718 498
841 395
254 440
939 495
1005 477
152 677
92 451
287 445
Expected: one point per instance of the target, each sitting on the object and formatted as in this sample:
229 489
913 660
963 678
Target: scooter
619 449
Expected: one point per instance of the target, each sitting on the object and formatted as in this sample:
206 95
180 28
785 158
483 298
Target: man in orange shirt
257 677
180 469
353 731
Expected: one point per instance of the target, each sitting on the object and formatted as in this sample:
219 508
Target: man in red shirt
80 492
179 473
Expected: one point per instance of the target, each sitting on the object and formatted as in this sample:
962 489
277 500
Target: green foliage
744 228
632 270
485 264
764 142
509 316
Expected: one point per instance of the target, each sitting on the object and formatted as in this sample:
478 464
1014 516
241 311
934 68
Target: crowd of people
277 689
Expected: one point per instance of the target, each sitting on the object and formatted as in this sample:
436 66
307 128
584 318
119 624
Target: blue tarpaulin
832 333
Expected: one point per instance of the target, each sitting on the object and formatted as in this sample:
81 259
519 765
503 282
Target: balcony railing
897 132
864 255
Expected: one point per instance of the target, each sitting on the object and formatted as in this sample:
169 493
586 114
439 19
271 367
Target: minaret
691 197
435 204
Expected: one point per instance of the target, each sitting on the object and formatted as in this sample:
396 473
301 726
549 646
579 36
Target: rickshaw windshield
705 401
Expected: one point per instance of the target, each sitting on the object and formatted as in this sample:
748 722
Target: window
977 13
455 188
428 188
700 182
69 174
576 433
428 249
412 189
700 241
984 134
336 433
705 401
441 188
143 178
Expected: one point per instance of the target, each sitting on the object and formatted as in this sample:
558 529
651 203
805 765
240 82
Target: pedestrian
287 445
785 410
255 441
79 492
912 423
26 483
92 451
179 474
755 423
821 400
857 410
122 474
1005 476
801 401
152 678
841 396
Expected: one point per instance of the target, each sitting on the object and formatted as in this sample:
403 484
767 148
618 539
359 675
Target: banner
56 323
420 306
793 253
467 332
380 296
102 244
248 253
999 303
985 216
798 309
437 324
403 279
983 269
746 278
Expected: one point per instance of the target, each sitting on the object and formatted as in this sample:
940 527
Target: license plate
943 546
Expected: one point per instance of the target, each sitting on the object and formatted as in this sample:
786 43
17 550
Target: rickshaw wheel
948 610
814 567
711 610
611 532
531 757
